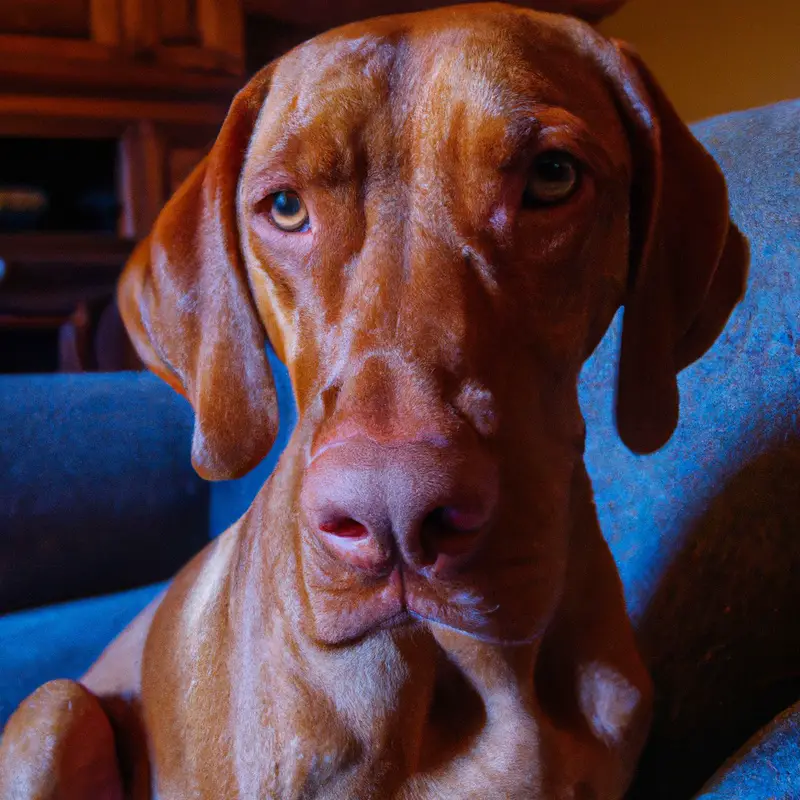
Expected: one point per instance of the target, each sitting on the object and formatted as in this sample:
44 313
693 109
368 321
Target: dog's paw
59 744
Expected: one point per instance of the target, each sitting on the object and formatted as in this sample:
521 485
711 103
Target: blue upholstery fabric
96 491
767 767
60 641
69 502
706 532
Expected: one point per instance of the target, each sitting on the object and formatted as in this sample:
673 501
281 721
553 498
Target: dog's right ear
185 300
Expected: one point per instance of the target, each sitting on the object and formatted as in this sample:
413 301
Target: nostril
346 527
450 531
460 520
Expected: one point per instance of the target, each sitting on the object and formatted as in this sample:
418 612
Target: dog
432 218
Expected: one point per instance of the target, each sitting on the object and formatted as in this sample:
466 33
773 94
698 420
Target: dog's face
434 221
434 218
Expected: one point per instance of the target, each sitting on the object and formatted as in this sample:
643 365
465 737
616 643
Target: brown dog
433 218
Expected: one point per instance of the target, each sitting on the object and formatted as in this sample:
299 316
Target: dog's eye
288 211
554 177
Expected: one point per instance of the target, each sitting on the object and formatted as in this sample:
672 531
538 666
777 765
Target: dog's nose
428 504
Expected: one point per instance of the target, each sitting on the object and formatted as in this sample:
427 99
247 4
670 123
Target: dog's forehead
487 64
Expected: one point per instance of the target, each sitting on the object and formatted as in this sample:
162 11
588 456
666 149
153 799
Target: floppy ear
185 300
688 262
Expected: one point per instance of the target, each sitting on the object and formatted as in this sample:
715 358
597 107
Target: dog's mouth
404 599
408 619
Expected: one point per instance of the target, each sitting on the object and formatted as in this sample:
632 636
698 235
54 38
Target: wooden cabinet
205 34
152 80
67 18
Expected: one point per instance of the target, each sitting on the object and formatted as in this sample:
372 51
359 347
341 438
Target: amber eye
288 211
554 177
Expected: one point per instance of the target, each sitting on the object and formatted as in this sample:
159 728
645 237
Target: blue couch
97 496
98 501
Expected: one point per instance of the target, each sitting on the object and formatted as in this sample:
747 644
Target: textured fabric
61 641
96 490
706 532
138 428
766 768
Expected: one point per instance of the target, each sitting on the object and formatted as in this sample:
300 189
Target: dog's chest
390 718
304 771
330 761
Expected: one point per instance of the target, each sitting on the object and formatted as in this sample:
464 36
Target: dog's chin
409 621
393 612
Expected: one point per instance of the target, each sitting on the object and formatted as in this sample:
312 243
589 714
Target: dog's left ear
688 262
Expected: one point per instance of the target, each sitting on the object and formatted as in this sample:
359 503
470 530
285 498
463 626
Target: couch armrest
97 493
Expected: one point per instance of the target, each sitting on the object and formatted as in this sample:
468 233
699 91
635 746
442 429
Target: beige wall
713 56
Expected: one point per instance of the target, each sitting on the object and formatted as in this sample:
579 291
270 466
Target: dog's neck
408 712
419 697
413 700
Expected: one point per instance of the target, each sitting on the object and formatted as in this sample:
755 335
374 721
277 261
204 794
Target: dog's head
433 218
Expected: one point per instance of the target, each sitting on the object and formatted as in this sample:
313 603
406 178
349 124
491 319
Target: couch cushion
96 490
61 641
706 532
766 767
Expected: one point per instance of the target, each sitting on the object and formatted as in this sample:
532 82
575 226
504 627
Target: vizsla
432 218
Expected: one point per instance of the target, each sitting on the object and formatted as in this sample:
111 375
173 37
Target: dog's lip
476 635
472 616
407 598
398 619
407 617
394 620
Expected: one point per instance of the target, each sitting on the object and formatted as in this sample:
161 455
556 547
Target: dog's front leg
60 745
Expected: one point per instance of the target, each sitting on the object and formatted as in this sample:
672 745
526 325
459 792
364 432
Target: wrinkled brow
321 134
325 153
323 144
541 127
308 157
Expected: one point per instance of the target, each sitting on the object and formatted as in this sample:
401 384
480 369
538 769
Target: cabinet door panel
69 19
177 22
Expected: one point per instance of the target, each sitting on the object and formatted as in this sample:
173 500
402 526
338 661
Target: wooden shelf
155 77
34 322
73 250
40 114
27 72
49 274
